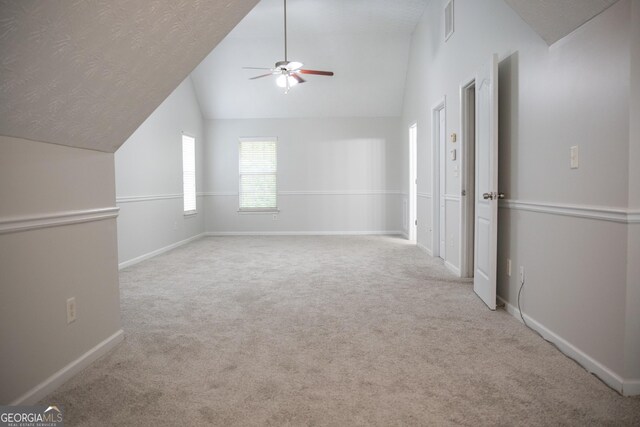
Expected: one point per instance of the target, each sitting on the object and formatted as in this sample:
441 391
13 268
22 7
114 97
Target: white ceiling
88 73
365 42
554 19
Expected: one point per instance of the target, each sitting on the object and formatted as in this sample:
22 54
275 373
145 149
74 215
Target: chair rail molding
151 197
316 193
54 219
602 213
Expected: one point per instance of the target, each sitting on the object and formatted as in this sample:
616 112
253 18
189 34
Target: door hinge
416 222
464 192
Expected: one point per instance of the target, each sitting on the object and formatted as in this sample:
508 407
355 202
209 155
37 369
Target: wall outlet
574 156
521 274
275 217
509 267
71 310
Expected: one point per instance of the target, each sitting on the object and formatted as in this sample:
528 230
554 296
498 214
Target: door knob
493 196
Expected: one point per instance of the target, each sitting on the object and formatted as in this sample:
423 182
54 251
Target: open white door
486 194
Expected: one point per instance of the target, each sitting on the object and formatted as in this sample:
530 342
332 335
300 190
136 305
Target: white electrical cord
553 344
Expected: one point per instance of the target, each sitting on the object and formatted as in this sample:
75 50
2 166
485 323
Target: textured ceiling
88 73
365 42
554 19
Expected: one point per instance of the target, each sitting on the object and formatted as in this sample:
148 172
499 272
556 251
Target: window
189 173
258 168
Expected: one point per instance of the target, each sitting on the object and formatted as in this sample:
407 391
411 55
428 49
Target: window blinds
189 173
258 168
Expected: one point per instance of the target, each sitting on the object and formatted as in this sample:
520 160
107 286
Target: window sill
259 212
190 213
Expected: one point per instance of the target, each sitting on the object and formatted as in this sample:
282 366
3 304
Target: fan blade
298 78
294 66
256 68
319 73
261 76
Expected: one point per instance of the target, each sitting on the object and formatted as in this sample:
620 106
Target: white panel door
486 195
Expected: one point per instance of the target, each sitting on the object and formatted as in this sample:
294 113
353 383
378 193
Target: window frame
195 175
258 211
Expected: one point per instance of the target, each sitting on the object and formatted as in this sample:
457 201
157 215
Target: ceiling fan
288 73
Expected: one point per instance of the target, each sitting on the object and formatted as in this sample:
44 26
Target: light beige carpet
242 331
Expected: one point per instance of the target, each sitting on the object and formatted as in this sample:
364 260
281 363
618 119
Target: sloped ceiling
554 19
88 73
365 42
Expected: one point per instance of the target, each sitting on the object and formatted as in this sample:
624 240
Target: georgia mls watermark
31 416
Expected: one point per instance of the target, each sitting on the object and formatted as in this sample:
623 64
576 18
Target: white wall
334 175
149 179
632 338
57 241
367 83
574 92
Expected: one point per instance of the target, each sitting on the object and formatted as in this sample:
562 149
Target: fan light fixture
286 81
288 72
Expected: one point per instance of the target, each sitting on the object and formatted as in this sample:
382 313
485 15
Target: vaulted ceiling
365 42
88 73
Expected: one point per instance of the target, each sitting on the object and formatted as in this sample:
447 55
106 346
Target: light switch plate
71 310
574 153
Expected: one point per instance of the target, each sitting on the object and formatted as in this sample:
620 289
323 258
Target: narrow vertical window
189 173
258 169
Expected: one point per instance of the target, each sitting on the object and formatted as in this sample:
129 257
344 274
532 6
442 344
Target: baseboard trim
49 385
151 254
606 375
303 233
55 219
631 388
426 249
455 270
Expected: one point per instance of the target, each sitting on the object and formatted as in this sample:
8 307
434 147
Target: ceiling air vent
448 20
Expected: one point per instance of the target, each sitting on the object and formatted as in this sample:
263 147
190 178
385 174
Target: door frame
413 183
435 168
467 181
